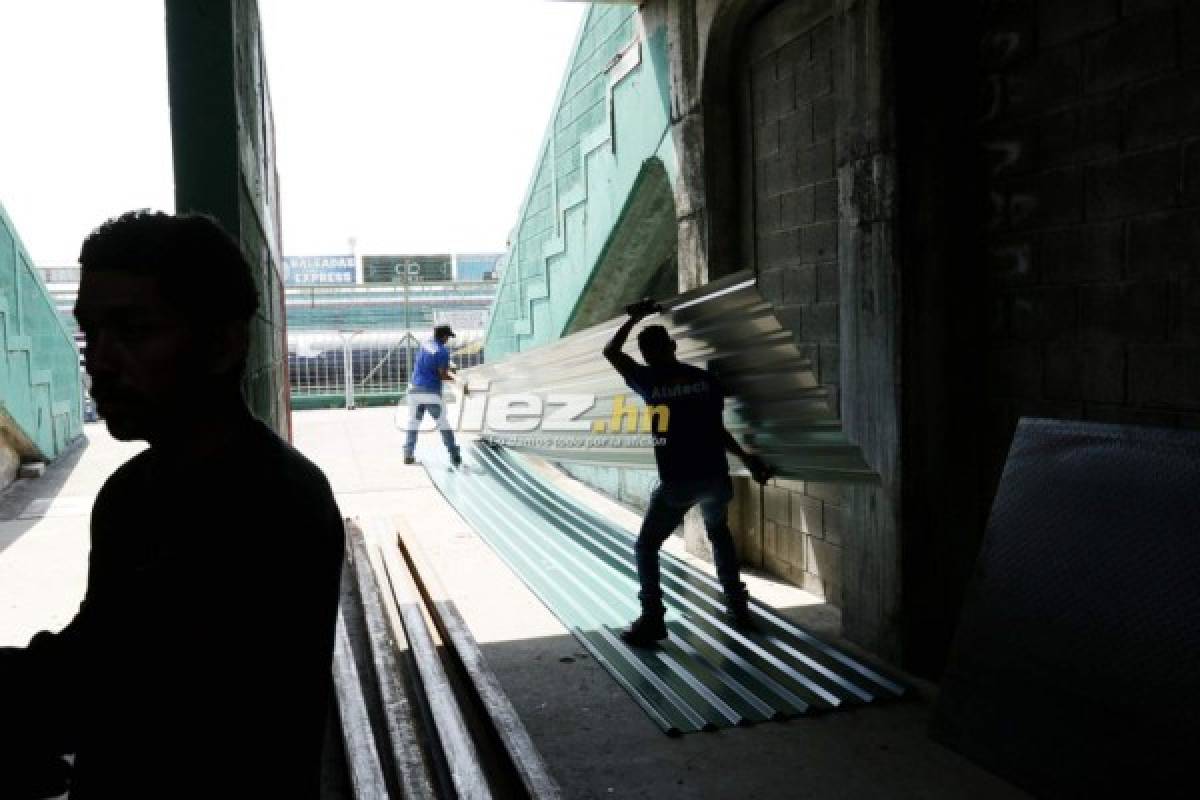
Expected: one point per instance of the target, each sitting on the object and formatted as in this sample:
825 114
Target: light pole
407 269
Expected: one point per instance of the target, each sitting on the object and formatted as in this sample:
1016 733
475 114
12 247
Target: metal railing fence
349 369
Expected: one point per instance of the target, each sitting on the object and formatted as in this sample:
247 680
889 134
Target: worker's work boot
647 630
743 618
409 460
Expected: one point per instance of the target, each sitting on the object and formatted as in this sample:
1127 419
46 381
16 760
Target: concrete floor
596 741
44 536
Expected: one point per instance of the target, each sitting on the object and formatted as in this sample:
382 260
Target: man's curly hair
201 270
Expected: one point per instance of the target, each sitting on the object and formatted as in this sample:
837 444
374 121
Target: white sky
85 133
412 125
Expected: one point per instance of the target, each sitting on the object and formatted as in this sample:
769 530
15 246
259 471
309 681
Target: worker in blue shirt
425 393
692 469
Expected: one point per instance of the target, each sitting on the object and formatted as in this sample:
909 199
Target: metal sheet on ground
706 675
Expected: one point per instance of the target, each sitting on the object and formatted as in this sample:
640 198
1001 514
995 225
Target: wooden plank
362 759
522 753
388 647
461 755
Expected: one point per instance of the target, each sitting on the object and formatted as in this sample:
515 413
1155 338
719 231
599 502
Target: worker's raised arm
613 350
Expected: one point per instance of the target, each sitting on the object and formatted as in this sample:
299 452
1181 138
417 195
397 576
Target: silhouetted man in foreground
692 468
199 662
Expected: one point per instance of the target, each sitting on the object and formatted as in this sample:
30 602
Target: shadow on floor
16 497
599 744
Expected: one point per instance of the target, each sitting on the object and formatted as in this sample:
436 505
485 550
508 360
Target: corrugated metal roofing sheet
706 675
777 405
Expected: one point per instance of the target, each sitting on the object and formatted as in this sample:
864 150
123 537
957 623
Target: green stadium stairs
597 226
41 395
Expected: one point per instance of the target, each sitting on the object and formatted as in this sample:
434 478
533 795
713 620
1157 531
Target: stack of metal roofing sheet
777 405
706 675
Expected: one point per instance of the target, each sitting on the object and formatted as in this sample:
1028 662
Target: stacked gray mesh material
1076 666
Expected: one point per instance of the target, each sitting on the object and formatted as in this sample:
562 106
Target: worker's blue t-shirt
431 358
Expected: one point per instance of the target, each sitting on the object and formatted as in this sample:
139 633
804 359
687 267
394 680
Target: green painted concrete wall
597 228
223 142
611 118
40 392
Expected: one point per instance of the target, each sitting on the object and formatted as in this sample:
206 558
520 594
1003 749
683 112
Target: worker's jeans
418 403
669 502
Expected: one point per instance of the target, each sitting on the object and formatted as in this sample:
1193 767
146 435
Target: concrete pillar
223 146
870 320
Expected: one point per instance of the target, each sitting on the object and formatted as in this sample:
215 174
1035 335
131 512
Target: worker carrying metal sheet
690 442
431 369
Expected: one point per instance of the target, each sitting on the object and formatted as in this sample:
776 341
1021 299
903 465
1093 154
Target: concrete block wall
1017 235
1049 253
792 241
795 530
796 190
1091 151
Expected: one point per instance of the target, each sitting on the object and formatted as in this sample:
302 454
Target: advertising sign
393 269
477 266
318 270
464 320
